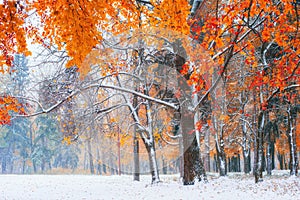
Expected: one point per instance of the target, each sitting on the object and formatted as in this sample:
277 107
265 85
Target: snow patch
123 187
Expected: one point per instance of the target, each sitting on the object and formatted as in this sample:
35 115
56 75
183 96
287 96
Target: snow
123 187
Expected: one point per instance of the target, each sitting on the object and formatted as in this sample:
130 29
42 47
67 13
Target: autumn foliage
242 57
8 106
13 32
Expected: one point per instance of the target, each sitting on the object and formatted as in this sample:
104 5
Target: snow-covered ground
122 187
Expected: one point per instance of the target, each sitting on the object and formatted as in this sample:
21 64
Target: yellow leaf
113 120
67 140
224 118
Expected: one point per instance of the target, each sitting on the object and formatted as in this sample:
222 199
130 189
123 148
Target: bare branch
171 105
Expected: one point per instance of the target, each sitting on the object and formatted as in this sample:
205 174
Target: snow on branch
171 105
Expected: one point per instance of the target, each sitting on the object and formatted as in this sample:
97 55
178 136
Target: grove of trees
150 86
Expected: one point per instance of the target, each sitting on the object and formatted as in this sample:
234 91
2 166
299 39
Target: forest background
137 86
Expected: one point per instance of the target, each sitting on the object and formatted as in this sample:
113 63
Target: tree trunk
85 162
222 164
164 165
280 159
247 161
104 168
269 155
180 159
43 165
292 144
260 151
11 158
91 163
191 165
49 165
152 162
150 143
207 149
273 154
202 172
136 159
34 167
216 163
233 165
246 146
221 156
259 162
190 147
99 170
239 163
255 149
23 166
3 164
229 165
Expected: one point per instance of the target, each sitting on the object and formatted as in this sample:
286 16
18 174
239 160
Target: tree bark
3 165
207 150
91 163
292 144
152 162
136 159
260 150
191 151
280 159
222 164
247 161
191 163
99 170
269 158
270 145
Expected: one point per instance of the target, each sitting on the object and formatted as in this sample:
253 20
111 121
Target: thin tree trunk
246 147
247 163
260 151
23 166
280 159
136 159
292 145
164 165
222 164
273 154
3 164
99 170
269 156
152 162
239 163
91 163
85 161
180 159
207 149
34 167
150 143
255 134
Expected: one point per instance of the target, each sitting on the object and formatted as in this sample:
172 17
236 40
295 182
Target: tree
16 138
231 29
261 35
